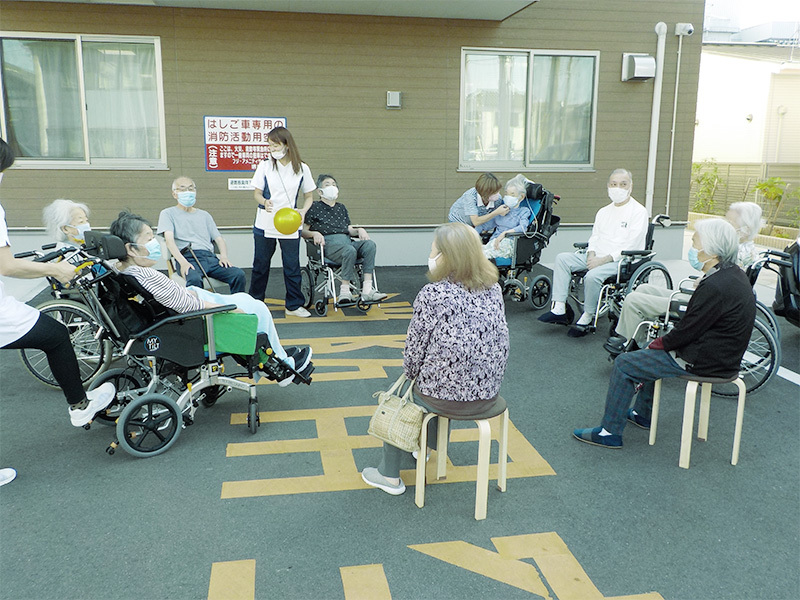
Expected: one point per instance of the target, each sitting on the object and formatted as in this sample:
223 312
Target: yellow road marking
234 580
378 312
557 565
365 582
351 368
331 345
335 448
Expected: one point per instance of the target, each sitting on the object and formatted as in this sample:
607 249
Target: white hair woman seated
66 221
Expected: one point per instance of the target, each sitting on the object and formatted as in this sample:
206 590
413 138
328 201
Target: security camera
684 29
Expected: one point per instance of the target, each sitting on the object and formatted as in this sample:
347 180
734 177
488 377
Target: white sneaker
373 477
345 297
98 399
373 296
7 475
298 312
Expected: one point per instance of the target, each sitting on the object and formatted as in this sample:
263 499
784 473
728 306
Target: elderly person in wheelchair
515 220
621 225
143 250
648 301
327 223
710 339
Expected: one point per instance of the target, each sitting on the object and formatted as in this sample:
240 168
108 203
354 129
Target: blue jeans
233 276
262 257
630 369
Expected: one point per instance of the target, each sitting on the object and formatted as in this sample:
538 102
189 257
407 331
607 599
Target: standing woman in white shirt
279 182
22 326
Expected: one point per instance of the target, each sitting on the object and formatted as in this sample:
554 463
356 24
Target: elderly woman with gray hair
709 340
648 301
66 221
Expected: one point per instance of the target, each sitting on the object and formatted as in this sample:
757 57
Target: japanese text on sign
237 143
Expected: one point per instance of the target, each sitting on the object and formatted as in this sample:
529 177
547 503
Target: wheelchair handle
53 255
580 245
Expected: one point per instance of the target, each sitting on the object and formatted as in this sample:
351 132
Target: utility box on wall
638 67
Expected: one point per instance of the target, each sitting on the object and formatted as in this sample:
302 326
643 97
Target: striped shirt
165 291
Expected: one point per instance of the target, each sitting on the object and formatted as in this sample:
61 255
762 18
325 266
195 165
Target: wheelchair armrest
183 317
636 252
580 245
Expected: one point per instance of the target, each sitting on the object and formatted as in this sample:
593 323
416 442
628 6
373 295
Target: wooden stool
705 406
484 445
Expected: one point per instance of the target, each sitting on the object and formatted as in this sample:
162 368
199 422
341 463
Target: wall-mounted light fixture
393 100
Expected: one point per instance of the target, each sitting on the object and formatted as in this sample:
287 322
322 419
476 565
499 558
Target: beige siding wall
328 74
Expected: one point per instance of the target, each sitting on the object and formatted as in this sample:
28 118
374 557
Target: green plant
705 181
773 190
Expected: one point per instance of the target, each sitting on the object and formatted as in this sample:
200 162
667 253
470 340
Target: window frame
88 162
506 165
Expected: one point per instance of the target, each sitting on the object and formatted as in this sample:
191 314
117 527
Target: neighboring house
105 102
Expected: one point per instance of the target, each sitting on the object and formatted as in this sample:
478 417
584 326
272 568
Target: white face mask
618 195
278 154
329 193
510 201
432 262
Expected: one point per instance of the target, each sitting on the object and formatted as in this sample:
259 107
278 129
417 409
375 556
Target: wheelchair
528 246
787 293
634 268
320 278
173 362
760 362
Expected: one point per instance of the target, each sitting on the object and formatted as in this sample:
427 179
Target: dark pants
262 257
630 369
51 337
233 276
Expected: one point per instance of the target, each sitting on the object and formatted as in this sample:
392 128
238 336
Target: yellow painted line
365 582
356 368
234 580
335 448
384 311
647 596
487 563
333 345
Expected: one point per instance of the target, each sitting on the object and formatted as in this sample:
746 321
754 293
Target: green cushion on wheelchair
234 333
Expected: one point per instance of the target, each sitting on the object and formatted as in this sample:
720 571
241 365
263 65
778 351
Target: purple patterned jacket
457 342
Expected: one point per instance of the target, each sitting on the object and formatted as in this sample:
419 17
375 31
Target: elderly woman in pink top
457 343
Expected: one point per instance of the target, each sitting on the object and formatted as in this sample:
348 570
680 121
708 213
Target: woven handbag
397 420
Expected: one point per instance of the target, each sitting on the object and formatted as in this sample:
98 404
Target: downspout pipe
661 31
674 121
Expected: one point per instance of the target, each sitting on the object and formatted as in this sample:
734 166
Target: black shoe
301 356
565 319
615 345
638 420
577 331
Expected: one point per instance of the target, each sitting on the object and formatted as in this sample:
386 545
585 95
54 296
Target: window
527 109
82 101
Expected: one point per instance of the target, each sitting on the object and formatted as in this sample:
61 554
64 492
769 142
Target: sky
755 12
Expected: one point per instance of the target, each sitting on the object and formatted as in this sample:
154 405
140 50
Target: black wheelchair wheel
363 306
759 364
651 272
541 291
253 420
321 307
209 396
766 315
127 382
307 286
94 355
149 425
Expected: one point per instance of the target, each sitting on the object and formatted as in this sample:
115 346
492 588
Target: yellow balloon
287 220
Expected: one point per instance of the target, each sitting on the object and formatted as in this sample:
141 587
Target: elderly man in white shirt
621 225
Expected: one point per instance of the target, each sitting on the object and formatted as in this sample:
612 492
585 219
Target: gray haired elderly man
190 234
621 225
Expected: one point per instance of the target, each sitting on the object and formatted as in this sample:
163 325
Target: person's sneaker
373 296
301 356
7 475
298 312
592 436
98 398
577 331
373 477
637 419
345 298
615 345
565 319
288 376
414 454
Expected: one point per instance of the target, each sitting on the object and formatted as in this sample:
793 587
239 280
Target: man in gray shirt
188 229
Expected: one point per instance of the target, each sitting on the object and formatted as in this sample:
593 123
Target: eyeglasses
186 188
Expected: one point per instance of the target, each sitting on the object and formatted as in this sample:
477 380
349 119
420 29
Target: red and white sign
237 143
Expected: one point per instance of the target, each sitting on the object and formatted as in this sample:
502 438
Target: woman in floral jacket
457 342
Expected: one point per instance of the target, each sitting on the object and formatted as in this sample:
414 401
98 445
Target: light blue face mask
153 249
187 198
693 260
510 201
